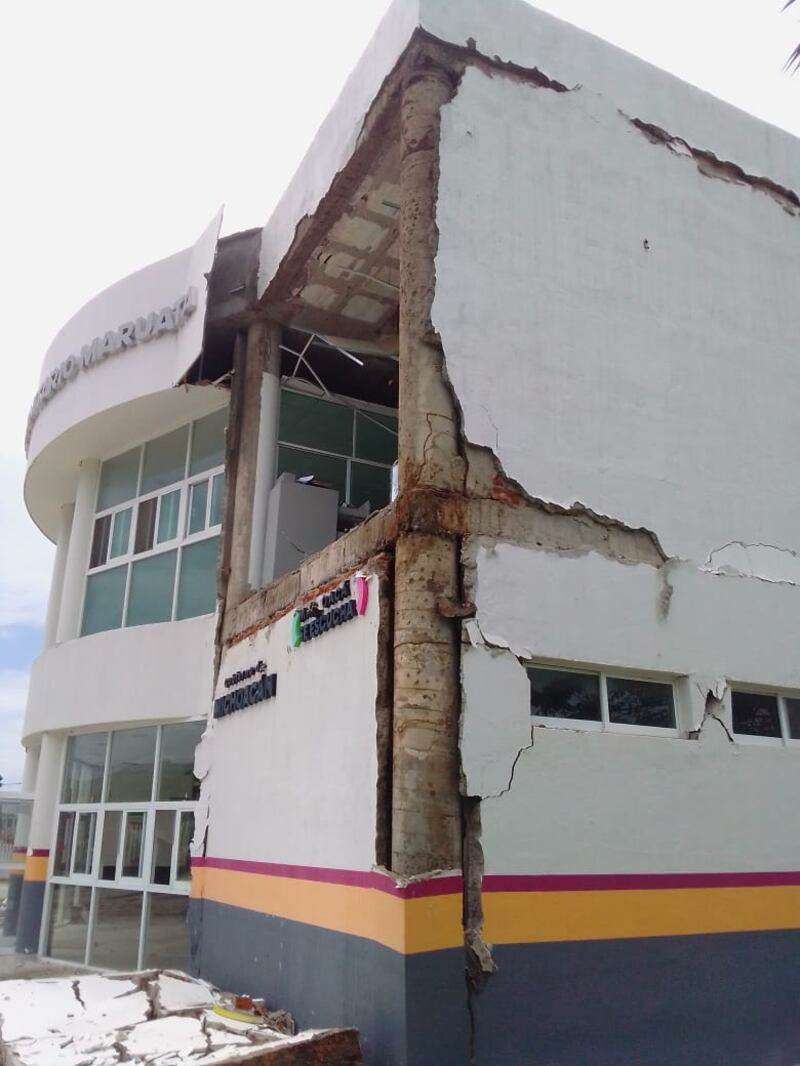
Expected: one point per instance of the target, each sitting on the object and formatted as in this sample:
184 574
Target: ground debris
154 1018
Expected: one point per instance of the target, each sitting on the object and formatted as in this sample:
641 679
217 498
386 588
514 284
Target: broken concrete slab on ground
153 1017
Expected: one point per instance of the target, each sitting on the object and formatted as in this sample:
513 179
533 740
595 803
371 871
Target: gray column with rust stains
426 820
259 357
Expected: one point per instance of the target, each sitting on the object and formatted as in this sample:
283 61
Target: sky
126 126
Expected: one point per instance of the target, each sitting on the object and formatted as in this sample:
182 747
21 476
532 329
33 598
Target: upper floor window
765 715
154 545
602 701
349 446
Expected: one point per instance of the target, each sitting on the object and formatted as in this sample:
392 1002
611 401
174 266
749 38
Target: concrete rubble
153 1018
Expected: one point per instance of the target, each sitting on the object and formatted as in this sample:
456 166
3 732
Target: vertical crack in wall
479 964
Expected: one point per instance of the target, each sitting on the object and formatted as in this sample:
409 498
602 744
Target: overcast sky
125 126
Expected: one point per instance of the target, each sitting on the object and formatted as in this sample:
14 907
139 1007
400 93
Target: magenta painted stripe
435 886
39 853
608 882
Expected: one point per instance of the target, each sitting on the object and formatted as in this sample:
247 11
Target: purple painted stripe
434 886
39 853
610 882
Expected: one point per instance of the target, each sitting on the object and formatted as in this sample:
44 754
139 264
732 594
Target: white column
266 458
29 775
57 580
77 561
48 783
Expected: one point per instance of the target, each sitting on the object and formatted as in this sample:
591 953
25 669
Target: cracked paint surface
638 296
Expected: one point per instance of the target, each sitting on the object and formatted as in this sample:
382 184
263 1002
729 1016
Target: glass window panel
326 469
217 499
373 442
562 694
198 498
208 442
131 766
167 943
69 922
133 844
370 484
632 702
63 855
100 539
183 871
176 779
105 596
755 714
793 717
83 773
316 423
197 585
109 846
150 595
118 918
145 525
163 836
118 478
165 460
168 516
84 843
121 537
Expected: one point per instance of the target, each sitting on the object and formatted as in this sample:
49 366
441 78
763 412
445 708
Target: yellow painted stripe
408 926
36 868
538 917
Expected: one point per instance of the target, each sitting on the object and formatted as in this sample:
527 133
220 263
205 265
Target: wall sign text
346 602
264 688
145 328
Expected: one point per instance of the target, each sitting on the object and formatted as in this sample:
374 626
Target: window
155 540
121 862
349 447
765 716
602 701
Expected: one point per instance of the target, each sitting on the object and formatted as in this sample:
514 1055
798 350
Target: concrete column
57 580
266 456
426 814
77 560
21 835
250 367
48 783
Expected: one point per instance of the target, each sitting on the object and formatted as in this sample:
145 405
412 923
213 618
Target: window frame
143 884
785 740
356 407
605 725
182 537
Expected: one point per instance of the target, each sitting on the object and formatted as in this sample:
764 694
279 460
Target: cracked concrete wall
566 801
550 803
619 328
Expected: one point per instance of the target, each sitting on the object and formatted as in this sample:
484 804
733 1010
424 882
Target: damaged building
420 651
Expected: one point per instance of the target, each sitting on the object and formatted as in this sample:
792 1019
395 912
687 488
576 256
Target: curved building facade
126 476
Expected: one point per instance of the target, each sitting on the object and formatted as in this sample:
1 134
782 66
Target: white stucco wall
620 330
559 800
123 676
293 779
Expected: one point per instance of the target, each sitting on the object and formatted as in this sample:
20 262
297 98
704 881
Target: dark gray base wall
29 918
410 1010
11 918
728 999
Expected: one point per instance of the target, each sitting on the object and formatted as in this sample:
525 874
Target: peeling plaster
762 561
491 742
696 277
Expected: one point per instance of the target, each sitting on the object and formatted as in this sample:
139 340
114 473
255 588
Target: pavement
15 967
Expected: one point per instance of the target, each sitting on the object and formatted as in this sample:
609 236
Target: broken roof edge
514 32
